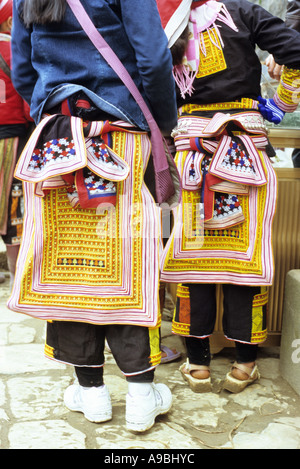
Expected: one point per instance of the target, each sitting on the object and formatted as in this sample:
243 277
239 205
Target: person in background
14 127
92 266
223 227
292 20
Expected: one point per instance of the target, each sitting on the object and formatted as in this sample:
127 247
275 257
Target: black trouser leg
245 353
89 376
82 345
198 350
147 377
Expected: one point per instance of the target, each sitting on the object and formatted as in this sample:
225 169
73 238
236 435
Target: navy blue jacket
51 62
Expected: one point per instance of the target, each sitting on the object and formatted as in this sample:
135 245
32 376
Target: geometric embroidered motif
224 203
61 148
236 158
99 150
214 60
98 265
259 330
97 185
233 254
81 261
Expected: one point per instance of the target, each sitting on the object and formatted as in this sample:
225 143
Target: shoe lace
158 396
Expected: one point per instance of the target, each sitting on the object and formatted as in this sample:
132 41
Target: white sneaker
142 410
93 402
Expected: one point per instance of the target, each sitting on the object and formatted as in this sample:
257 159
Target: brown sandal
196 384
237 385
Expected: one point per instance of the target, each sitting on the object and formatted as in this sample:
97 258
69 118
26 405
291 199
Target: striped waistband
190 126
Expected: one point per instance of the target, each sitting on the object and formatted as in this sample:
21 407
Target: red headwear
6 7
198 3
174 16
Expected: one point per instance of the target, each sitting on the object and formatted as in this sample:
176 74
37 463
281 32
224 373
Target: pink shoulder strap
158 150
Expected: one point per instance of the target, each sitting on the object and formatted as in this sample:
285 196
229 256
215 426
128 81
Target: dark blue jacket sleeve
23 74
154 59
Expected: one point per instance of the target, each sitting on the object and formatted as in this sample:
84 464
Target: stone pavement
32 414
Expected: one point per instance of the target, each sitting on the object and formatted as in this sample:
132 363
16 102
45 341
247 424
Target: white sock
86 388
139 389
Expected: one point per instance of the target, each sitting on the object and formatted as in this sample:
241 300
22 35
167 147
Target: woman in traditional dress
223 227
89 261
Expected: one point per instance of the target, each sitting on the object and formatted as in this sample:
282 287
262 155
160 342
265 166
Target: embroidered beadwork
99 264
236 158
226 203
287 96
259 330
97 185
228 246
100 151
62 148
244 103
180 329
213 61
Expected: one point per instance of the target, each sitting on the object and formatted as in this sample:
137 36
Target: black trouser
198 351
82 345
89 377
241 302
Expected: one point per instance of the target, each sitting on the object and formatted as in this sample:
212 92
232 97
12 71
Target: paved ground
33 416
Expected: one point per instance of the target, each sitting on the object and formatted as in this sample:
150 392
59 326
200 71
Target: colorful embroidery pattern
244 103
236 158
259 329
213 60
82 261
62 148
99 150
97 185
287 96
192 172
221 237
225 203
98 264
